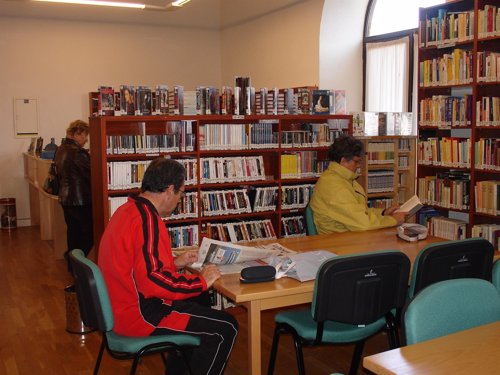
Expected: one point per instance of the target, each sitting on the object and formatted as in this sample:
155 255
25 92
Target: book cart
248 176
459 125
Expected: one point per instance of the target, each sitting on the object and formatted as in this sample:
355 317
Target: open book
411 206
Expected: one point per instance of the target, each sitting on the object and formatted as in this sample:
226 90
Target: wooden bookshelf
273 140
455 73
388 169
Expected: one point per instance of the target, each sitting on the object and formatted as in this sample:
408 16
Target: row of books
488 111
488 66
219 301
310 135
487 197
302 164
296 196
224 202
137 101
490 232
448 189
177 136
264 198
241 231
232 169
403 162
380 202
453 68
380 181
129 174
382 123
239 136
447 28
380 152
448 228
242 99
488 24
126 174
445 151
183 236
293 226
186 208
404 145
445 111
487 153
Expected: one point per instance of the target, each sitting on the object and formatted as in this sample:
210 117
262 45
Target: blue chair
311 227
450 306
470 258
352 300
495 274
95 311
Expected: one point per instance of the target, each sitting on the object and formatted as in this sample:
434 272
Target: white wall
341 49
60 62
278 50
315 42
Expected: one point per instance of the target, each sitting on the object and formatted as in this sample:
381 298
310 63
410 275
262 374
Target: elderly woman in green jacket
339 202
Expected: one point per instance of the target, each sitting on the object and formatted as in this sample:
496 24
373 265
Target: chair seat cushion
129 344
334 332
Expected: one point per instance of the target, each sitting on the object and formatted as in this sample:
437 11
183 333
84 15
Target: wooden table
473 351
288 292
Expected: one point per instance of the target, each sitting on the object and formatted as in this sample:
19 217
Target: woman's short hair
77 127
345 146
161 173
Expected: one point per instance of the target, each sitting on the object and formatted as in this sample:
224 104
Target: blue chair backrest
91 291
470 258
311 227
450 306
361 288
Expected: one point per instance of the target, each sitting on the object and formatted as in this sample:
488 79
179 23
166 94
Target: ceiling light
179 3
98 2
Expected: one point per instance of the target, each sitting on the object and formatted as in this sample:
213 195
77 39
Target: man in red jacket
149 296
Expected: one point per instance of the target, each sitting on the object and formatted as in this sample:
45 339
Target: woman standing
73 171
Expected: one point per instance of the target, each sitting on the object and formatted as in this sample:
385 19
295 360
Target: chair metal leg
392 332
356 357
274 350
299 354
133 368
99 357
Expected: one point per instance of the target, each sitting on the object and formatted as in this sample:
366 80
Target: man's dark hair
162 173
347 147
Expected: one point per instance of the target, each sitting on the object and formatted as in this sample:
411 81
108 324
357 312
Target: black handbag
51 184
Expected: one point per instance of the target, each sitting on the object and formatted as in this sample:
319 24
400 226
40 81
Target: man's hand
185 259
210 273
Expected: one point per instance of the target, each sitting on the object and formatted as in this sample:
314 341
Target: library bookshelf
248 177
458 150
388 170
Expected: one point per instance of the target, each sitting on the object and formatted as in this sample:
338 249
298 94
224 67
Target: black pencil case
257 274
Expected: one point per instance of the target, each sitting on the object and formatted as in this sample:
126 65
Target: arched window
390 50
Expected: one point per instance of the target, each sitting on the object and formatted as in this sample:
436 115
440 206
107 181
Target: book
358 124
106 106
411 206
144 101
340 102
321 102
127 100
